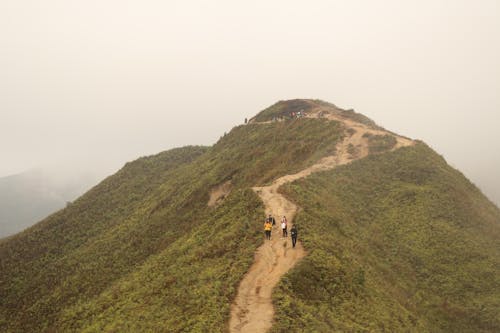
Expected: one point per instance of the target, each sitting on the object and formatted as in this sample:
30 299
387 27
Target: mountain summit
391 238
310 107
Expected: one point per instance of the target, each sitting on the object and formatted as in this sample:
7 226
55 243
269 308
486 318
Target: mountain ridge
143 250
252 309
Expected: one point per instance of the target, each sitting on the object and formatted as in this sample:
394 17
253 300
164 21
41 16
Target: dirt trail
252 310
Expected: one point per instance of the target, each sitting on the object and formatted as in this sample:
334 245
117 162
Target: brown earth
218 193
252 309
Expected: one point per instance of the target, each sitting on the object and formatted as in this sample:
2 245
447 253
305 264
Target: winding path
252 309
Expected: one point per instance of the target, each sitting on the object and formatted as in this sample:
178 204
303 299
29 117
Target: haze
89 85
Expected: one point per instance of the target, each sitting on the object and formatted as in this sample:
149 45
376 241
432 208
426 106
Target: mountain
392 237
28 197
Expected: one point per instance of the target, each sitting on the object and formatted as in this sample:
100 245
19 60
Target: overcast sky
97 83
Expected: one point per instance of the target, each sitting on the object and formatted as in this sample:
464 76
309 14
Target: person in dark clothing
293 233
272 220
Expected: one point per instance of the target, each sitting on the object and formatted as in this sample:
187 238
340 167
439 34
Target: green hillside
284 109
142 250
397 241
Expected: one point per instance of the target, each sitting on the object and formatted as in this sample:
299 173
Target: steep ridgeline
252 310
393 239
143 250
397 242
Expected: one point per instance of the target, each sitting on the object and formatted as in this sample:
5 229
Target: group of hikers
291 115
270 222
298 114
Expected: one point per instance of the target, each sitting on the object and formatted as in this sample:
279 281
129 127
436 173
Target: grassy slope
136 252
397 242
284 109
350 114
186 287
81 249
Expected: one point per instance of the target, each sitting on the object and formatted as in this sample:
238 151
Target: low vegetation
283 109
142 251
188 286
380 143
397 242
349 114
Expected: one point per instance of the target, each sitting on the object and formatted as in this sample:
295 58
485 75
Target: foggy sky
93 84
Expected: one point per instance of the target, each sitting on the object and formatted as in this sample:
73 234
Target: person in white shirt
284 224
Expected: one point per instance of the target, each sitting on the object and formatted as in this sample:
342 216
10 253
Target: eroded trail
252 310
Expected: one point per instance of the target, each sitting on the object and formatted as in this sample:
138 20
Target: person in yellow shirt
267 228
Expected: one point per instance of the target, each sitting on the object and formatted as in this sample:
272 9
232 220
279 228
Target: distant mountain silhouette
28 197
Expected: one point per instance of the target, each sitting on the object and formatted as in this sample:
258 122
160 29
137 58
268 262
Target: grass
283 109
142 250
350 114
259 153
179 288
397 242
380 143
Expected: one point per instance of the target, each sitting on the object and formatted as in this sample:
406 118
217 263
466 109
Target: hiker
272 220
267 228
284 223
293 233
